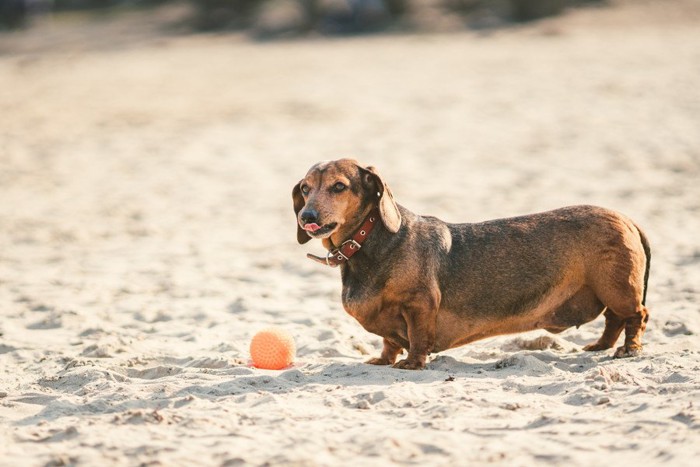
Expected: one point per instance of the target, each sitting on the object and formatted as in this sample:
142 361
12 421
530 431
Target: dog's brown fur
426 286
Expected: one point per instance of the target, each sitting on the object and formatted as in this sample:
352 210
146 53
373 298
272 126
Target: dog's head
336 196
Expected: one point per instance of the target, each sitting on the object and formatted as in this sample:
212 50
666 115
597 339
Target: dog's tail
647 253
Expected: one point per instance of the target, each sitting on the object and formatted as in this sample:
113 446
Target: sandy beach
147 233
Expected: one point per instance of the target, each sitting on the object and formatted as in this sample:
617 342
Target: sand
147 232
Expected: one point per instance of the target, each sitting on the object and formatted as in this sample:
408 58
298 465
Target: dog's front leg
389 353
421 323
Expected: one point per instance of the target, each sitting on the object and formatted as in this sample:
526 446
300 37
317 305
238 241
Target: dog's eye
305 189
338 187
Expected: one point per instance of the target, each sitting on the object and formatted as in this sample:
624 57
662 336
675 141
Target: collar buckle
349 247
354 245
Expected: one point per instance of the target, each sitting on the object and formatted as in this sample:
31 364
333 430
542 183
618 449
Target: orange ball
272 349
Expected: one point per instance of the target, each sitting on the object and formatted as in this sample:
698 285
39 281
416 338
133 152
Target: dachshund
425 285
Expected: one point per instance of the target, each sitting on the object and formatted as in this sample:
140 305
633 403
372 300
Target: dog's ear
388 210
302 236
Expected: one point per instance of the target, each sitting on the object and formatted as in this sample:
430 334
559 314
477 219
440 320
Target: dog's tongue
312 227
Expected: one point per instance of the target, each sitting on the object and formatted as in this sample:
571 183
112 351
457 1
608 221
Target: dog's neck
373 261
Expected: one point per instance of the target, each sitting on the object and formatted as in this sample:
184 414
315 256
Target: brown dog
427 286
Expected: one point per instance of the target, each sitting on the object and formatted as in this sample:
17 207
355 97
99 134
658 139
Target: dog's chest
366 304
359 304
360 290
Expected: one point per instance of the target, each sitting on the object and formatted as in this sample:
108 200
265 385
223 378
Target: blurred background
290 18
157 119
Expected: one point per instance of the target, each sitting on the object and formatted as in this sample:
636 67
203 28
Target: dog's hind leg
620 281
634 330
613 329
636 324
626 311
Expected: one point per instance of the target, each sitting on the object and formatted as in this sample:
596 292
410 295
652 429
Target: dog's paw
595 347
626 352
407 364
378 361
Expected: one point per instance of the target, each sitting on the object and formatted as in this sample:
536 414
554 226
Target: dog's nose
309 216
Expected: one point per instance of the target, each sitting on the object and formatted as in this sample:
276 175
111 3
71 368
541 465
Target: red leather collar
349 247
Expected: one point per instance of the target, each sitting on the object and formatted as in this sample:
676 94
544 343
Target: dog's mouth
319 231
